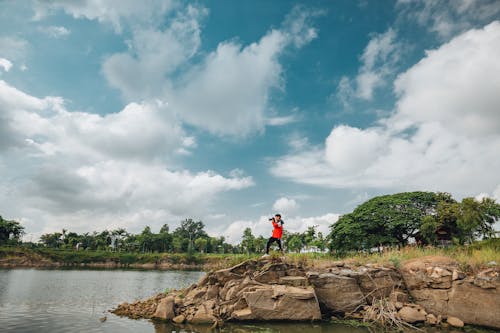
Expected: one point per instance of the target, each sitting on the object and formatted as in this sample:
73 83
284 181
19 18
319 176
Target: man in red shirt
277 233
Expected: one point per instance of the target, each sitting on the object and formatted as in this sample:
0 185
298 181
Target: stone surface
431 319
179 319
454 321
165 309
337 293
466 301
377 282
279 303
294 281
412 314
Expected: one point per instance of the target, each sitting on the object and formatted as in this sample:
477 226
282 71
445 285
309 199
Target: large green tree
10 231
384 220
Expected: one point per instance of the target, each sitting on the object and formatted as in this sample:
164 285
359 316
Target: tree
201 244
10 231
385 220
463 221
248 241
294 242
190 230
51 240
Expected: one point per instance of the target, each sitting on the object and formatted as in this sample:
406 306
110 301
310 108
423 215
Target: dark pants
272 240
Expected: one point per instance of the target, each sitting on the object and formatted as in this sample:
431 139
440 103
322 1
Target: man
277 233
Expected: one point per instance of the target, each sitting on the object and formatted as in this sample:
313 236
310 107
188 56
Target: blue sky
127 113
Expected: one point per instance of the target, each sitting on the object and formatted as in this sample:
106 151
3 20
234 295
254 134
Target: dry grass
471 258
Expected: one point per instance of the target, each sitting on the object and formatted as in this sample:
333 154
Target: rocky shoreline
430 290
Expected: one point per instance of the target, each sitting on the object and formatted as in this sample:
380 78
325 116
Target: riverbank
20 257
431 290
472 258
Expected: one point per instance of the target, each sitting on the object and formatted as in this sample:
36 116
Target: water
73 301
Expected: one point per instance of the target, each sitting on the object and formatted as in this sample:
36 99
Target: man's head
277 217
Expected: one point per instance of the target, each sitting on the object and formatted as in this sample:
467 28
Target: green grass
471 257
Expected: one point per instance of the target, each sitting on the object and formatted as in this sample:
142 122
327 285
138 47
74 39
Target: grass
471 257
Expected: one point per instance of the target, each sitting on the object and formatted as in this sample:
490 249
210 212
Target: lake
73 301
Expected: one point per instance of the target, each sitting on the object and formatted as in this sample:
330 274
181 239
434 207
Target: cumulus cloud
443 135
447 18
153 54
226 91
285 205
262 226
117 13
377 65
109 169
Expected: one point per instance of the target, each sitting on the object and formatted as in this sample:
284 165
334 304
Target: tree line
421 218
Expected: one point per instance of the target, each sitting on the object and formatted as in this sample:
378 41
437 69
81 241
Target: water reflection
262 328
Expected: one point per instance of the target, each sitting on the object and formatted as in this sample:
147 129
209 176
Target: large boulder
278 302
165 309
475 305
335 292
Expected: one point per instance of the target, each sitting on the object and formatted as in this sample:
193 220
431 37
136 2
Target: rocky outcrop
438 284
430 290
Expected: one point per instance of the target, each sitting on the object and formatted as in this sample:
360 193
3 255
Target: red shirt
278 230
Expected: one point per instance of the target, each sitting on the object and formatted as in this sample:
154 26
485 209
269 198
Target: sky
122 114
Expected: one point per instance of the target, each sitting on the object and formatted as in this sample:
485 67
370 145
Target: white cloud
281 121
13 48
118 13
447 18
5 64
262 226
226 92
378 61
444 133
140 73
285 205
110 170
55 31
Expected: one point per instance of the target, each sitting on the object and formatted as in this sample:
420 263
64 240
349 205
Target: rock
457 275
399 296
165 309
433 300
179 319
272 273
412 314
294 281
337 293
377 283
431 319
485 282
195 295
212 292
279 302
475 305
454 321
203 314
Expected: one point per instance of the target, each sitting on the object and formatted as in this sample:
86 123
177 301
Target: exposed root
383 312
